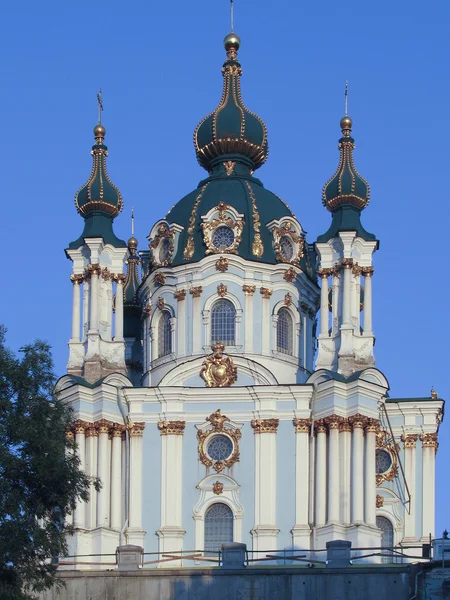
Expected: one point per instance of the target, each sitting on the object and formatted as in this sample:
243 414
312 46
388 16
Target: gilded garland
257 246
189 248
218 424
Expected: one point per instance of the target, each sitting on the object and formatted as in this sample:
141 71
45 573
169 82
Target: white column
357 480
180 295
93 324
116 476
345 470
370 473
301 530
249 290
265 531
335 302
429 448
105 308
321 473
86 289
103 427
135 512
265 320
367 322
333 468
324 302
171 532
76 308
91 470
79 428
409 443
196 320
118 333
347 293
69 453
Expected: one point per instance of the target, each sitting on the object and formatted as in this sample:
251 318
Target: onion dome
346 186
131 306
99 200
346 194
231 129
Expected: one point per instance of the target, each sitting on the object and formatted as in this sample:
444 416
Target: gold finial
346 122
100 105
346 99
434 394
132 221
132 242
232 43
99 130
232 15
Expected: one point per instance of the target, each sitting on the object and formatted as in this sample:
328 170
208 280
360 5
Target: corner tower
345 256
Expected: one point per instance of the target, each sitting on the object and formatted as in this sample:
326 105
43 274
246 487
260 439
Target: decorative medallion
218 442
222 290
288 244
218 370
257 246
386 459
229 167
189 248
162 246
222 264
222 233
160 278
217 488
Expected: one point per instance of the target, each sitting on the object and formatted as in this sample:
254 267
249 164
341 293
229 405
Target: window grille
164 335
223 323
218 527
387 536
284 331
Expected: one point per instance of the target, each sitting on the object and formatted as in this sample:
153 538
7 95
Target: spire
231 131
131 307
99 201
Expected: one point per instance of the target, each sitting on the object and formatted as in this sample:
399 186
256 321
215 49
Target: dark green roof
428 399
346 218
98 225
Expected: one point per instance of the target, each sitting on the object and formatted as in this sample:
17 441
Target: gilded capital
117 430
136 429
265 425
372 426
77 278
107 275
79 426
302 425
103 426
196 292
333 421
358 421
367 271
320 426
344 426
265 292
347 263
409 440
324 273
180 295
171 427
356 269
120 278
429 440
249 290
91 430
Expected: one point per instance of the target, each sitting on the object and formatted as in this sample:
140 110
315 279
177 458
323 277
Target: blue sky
159 67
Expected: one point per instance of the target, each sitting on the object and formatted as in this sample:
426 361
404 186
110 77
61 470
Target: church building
223 378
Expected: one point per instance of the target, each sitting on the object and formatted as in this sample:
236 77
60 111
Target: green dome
346 186
231 128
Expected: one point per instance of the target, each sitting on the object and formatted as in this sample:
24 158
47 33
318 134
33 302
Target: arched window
223 323
218 527
285 328
164 334
387 537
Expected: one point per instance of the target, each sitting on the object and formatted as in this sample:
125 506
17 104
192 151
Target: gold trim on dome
288 230
229 167
217 488
386 443
223 219
218 424
218 370
222 264
265 425
171 427
302 425
249 290
290 275
189 248
222 290
164 233
257 246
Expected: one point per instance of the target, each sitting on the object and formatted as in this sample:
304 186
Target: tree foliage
40 477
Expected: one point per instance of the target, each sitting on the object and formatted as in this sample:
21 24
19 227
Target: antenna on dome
232 16
100 105
132 221
346 98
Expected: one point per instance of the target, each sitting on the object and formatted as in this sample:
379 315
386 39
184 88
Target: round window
164 249
287 249
220 447
223 238
383 461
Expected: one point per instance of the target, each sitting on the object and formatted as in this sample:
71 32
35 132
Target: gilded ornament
386 443
358 421
107 275
136 429
257 245
180 295
217 488
345 426
288 300
196 292
336 270
77 278
147 310
434 394
265 293
302 425
249 290
91 430
429 440
409 440
320 426
171 427
290 275
333 421
103 425
119 278
160 303
222 219
347 263
189 249
116 430
218 370
265 425
367 271
222 290
229 167
324 273
160 278
218 424
222 264
379 501
357 270
372 426
93 269
70 435
288 230
79 426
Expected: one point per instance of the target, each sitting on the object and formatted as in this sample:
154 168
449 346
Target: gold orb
232 41
346 123
132 242
99 131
